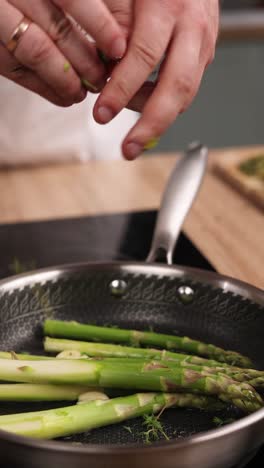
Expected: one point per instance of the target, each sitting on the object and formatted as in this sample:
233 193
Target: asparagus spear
22 356
42 392
134 337
109 350
75 350
155 376
112 350
245 405
237 374
179 400
80 418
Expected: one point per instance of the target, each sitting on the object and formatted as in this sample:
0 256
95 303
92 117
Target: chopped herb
222 422
128 429
88 85
14 355
218 421
151 144
103 57
109 325
253 167
17 267
154 428
66 67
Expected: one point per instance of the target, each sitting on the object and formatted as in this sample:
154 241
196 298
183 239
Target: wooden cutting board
227 167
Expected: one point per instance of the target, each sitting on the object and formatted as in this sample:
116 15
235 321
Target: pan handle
177 200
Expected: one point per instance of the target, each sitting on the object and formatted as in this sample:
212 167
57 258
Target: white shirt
34 131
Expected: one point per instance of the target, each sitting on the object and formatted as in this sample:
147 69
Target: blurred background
229 109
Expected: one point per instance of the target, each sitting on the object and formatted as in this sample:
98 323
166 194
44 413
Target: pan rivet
186 294
118 287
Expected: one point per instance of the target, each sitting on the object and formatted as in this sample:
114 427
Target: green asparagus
71 420
252 376
112 350
22 356
155 376
42 392
237 374
78 349
136 338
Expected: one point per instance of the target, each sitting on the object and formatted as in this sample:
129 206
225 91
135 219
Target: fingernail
118 48
105 114
151 144
133 150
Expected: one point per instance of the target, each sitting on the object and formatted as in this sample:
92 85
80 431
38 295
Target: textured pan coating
149 302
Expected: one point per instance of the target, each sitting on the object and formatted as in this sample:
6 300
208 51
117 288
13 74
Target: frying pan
173 299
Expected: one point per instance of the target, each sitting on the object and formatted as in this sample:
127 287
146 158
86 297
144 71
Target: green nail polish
151 144
88 85
66 67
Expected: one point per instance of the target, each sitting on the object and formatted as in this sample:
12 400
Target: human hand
53 57
184 34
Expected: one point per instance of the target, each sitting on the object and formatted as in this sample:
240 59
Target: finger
36 51
80 52
122 10
10 68
96 19
148 44
178 83
140 99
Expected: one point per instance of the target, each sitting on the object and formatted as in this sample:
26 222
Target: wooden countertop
244 25
226 227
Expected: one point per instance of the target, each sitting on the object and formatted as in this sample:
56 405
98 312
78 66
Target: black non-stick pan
167 298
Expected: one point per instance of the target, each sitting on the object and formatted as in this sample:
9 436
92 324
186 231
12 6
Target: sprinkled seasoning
66 67
88 85
151 144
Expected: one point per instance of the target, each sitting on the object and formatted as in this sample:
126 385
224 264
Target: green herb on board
253 167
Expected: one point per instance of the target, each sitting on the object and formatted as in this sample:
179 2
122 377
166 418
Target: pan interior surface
148 302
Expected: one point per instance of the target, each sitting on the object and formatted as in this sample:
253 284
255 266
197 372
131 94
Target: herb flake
128 429
154 428
66 67
222 422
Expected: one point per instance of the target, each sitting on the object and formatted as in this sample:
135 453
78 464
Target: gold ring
17 34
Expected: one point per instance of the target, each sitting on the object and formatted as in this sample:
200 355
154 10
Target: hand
53 57
182 35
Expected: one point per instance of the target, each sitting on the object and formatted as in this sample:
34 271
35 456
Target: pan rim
132 448
226 283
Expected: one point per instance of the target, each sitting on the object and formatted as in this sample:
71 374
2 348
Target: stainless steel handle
178 198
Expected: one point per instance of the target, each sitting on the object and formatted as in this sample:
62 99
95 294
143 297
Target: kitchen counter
224 226
242 25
